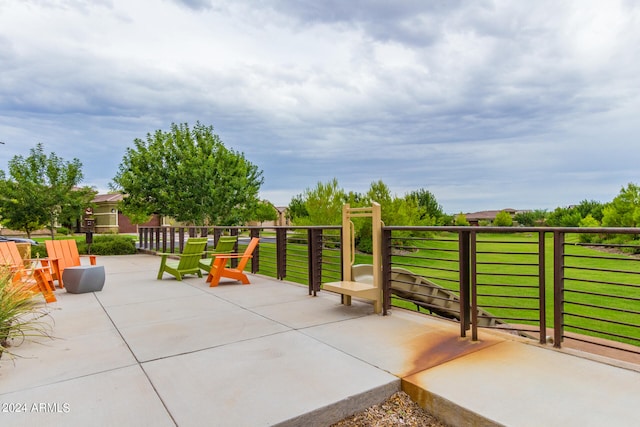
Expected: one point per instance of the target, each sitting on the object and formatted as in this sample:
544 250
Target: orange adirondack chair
219 267
63 254
30 275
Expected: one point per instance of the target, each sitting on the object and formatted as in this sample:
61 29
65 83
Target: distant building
487 217
282 219
108 219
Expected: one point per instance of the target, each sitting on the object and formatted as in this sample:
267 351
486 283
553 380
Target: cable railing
553 285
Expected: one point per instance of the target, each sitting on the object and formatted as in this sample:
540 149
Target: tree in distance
503 219
189 175
42 190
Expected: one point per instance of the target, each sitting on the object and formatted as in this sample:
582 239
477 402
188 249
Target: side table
84 278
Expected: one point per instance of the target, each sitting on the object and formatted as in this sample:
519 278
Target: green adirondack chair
225 245
188 263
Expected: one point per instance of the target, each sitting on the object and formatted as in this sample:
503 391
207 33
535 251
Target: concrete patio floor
147 352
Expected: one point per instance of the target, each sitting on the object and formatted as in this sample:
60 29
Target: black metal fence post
542 295
281 253
141 239
234 232
255 260
172 239
151 243
463 256
558 288
473 247
386 271
314 237
180 239
164 239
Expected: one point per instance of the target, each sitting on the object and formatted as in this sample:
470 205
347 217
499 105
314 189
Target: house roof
111 197
488 215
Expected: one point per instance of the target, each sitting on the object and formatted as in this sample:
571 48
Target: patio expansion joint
138 362
66 380
184 353
338 349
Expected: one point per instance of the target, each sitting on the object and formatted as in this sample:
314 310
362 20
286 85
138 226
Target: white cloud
492 103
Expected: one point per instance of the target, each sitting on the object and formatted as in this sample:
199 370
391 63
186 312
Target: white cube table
84 278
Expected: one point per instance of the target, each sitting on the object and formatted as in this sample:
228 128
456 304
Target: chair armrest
92 258
43 260
231 256
166 254
216 252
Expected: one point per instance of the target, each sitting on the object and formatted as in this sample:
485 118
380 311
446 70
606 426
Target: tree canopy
322 205
42 190
503 219
624 209
188 174
265 211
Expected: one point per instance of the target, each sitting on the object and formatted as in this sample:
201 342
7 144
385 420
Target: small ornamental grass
22 314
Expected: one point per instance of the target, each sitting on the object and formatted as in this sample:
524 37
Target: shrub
461 220
365 244
112 244
63 230
503 219
589 221
39 251
20 313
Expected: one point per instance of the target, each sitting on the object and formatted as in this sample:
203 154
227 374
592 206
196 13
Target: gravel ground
398 410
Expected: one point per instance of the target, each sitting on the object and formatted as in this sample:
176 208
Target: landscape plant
22 314
503 219
110 244
461 220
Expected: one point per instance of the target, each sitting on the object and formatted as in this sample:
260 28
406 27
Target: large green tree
624 209
397 210
590 207
188 174
430 209
503 219
564 217
265 211
530 218
42 190
322 204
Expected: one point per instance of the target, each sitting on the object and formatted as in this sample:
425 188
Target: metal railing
548 284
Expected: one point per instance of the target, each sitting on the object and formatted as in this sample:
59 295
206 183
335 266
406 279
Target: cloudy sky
488 104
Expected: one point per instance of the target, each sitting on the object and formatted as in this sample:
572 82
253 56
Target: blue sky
487 104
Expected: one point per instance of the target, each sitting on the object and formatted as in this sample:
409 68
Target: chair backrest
11 259
225 244
192 252
65 251
247 253
10 256
25 250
